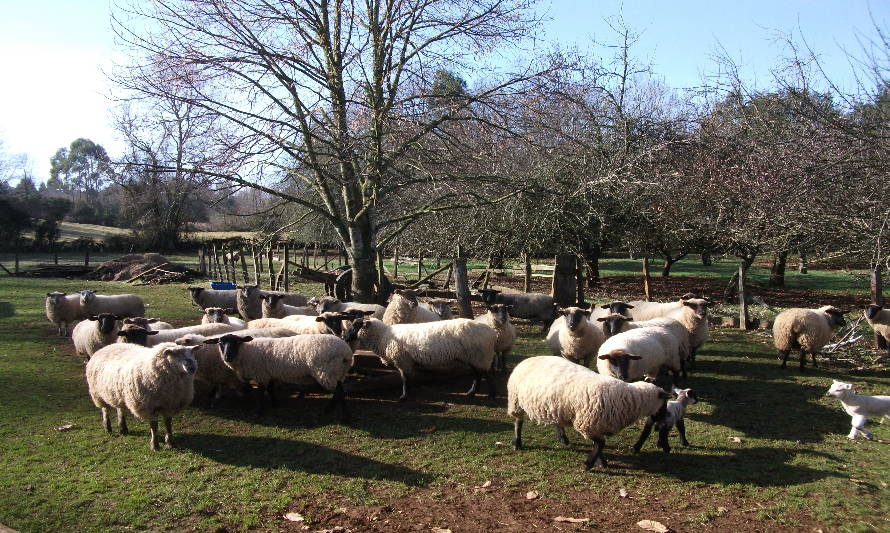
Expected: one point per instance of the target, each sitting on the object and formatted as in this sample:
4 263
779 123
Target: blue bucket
222 285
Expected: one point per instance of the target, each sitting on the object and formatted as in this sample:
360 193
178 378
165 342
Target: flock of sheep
148 367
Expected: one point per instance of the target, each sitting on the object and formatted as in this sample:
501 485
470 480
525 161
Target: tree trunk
579 281
564 286
363 257
647 280
731 290
592 262
669 263
527 278
462 288
706 259
877 286
777 272
743 301
803 268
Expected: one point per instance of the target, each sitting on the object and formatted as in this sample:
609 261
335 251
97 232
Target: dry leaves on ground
652 525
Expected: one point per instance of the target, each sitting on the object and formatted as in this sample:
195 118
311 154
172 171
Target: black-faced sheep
119 304
63 310
205 298
532 306
498 318
573 336
807 330
94 333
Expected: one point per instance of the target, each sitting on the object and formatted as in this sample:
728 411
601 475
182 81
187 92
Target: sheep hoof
403 399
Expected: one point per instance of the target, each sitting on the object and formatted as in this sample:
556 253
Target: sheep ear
368 313
602 319
152 332
246 339
586 312
94 317
634 357
687 303
128 321
319 319
603 356
123 333
605 306
211 341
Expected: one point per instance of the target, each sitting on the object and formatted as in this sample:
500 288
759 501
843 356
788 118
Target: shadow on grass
7 309
282 454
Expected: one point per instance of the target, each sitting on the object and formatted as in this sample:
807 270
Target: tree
83 167
327 100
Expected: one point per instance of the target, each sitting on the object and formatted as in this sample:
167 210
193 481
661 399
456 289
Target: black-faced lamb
248 302
94 333
532 306
119 304
879 319
676 410
859 407
149 382
273 306
573 336
154 324
63 310
807 330
634 354
497 317
554 391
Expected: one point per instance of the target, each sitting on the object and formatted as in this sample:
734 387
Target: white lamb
498 318
149 382
573 336
554 391
634 354
119 304
676 410
433 344
326 359
94 333
220 316
63 310
859 407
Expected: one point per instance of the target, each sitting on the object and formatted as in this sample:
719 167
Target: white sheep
326 323
404 308
634 354
693 315
151 338
807 330
273 306
676 410
440 306
63 310
329 304
643 310
498 318
205 298
529 305
573 336
859 407
614 307
94 333
879 319
554 391
119 304
149 382
615 323
432 344
247 300
323 358
221 316
153 324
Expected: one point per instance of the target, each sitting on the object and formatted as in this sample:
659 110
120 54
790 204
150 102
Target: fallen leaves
735 439
652 525
623 493
294 517
532 495
488 486
571 520
440 530
498 443
66 427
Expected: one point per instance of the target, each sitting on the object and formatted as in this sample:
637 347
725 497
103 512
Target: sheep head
833 315
489 296
619 362
699 305
501 312
870 312
229 345
135 335
839 389
575 317
107 321
613 323
215 314
180 358
617 306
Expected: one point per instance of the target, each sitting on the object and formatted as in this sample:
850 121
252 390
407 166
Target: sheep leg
561 435
517 434
859 422
492 388
691 358
122 421
813 354
663 443
803 359
106 422
270 390
260 396
404 396
681 429
153 439
215 395
784 354
476 378
647 429
503 360
595 458
168 427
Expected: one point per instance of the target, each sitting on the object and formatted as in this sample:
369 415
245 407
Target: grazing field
769 451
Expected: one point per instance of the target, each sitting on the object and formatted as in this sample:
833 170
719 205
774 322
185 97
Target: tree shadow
7 309
282 454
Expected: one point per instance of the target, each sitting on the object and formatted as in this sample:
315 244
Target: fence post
743 302
419 266
271 268
218 274
647 280
86 256
564 286
257 265
286 259
395 263
201 261
244 275
579 280
16 270
462 288
527 282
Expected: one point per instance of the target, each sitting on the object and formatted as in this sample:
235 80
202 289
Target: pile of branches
143 269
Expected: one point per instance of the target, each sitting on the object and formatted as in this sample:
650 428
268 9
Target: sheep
643 310
676 410
148 323
205 298
614 307
326 323
614 324
63 310
433 344
440 306
327 304
170 335
498 318
805 329
247 300
404 308
119 304
633 354
693 315
221 316
324 358
554 391
273 307
573 336
146 381
859 407
94 333
879 319
530 305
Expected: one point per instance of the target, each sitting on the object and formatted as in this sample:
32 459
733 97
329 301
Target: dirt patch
145 269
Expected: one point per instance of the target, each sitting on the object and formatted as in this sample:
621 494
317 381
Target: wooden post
395 263
315 256
218 274
419 266
743 303
257 265
55 256
286 269
462 288
326 259
877 286
527 281
269 255
803 262
381 275
305 255
579 280
16 270
244 275
225 257
86 256
563 286
201 266
448 277
647 280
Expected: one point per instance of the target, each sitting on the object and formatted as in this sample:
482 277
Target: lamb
119 304
170 335
154 324
573 336
247 300
859 407
329 304
221 316
693 315
440 306
324 358
807 330
94 333
432 344
530 305
205 298
633 354
273 307
552 390
147 381
879 319
498 318
676 410
63 310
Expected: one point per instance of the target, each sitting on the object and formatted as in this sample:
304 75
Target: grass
793 469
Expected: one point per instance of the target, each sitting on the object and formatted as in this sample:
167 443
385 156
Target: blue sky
52 53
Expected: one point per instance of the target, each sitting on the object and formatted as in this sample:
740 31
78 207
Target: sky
53 53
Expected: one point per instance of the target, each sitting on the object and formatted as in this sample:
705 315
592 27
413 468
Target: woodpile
142 269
